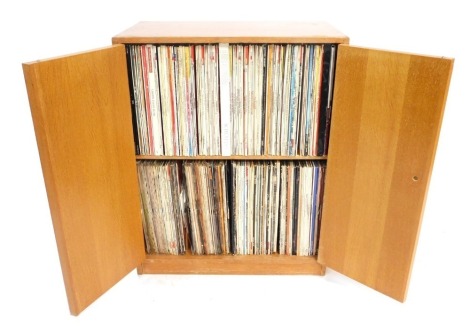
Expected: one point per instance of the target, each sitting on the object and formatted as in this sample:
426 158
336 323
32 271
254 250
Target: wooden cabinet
387 113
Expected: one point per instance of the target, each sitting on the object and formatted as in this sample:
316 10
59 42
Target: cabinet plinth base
231 264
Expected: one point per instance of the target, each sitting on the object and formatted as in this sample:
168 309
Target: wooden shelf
231 264
231 157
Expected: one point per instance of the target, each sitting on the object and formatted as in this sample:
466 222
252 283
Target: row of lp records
231 99
234 207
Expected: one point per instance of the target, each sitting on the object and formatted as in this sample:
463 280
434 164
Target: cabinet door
81 112
387 113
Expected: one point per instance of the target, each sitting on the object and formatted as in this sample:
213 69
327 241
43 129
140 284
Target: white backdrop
32 295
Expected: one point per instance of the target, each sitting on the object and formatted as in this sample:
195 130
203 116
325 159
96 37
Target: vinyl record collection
238 207
231 99
250 100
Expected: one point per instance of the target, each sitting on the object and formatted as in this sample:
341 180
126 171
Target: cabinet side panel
81 112
388 110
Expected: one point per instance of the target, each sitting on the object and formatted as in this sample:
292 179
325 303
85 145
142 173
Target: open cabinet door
81 112
387 114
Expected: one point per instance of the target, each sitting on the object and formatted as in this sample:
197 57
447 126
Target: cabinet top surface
231 32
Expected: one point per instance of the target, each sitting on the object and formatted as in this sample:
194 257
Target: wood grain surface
81 113
387 113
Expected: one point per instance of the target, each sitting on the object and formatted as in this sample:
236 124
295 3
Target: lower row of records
235 207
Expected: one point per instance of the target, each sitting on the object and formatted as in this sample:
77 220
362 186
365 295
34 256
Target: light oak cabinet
386 118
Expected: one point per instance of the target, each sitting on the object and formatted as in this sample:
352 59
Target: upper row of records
231 99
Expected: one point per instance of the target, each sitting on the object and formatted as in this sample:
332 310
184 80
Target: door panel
387 113
81 112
